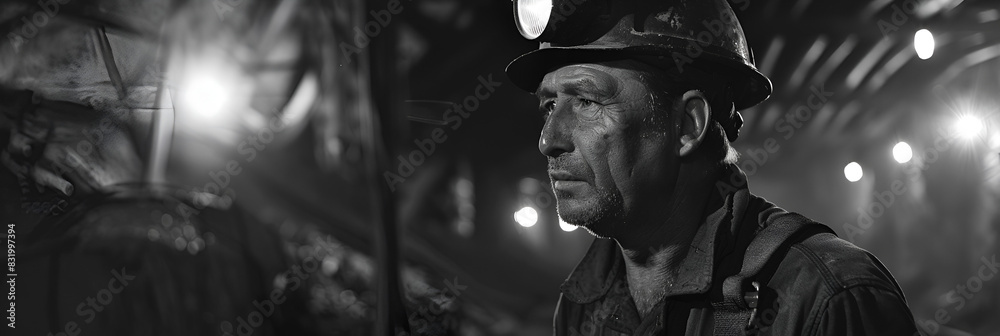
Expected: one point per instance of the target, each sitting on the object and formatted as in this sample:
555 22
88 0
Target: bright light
527 216
204 96
968 126
853 172
566 226
923 43
532 16
902 152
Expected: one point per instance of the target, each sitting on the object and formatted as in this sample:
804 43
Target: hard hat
675 35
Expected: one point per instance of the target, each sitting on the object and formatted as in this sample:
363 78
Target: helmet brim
749 87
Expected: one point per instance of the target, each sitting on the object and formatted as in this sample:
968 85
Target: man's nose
556 137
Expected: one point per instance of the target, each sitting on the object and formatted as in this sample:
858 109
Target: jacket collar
602 265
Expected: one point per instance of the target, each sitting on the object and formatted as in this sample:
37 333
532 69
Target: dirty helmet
684 38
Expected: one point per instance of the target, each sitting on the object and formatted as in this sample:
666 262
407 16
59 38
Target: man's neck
651 273
655 251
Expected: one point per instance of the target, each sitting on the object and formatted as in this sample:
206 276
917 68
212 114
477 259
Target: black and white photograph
500 167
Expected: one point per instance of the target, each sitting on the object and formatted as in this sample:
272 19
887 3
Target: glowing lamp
566 226
968 126
532 16
923 43
853 172
526 217
902 152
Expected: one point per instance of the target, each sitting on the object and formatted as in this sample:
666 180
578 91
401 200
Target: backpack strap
738 307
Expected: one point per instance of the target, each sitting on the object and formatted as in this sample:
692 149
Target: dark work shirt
823 286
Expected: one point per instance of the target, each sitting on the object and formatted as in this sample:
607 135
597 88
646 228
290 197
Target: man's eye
547 108
588 109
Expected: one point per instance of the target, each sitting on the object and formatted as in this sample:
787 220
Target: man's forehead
592 76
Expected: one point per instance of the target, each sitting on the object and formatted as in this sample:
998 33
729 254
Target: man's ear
695 116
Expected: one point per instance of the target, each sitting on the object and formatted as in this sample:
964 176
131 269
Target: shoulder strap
736 310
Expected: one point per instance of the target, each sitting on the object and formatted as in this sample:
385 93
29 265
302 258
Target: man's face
610 156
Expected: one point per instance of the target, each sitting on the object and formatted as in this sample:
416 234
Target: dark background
456 212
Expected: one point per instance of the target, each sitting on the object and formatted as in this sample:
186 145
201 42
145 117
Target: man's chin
589 217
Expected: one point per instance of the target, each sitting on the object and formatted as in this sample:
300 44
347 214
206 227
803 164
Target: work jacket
819 283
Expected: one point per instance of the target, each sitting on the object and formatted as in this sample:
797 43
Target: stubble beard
602 216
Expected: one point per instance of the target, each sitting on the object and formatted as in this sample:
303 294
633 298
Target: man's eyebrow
583 84
544 92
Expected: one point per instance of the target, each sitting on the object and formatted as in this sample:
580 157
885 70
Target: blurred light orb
527 216
902 152
968 126
923 43
853 172
566 226
205 96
